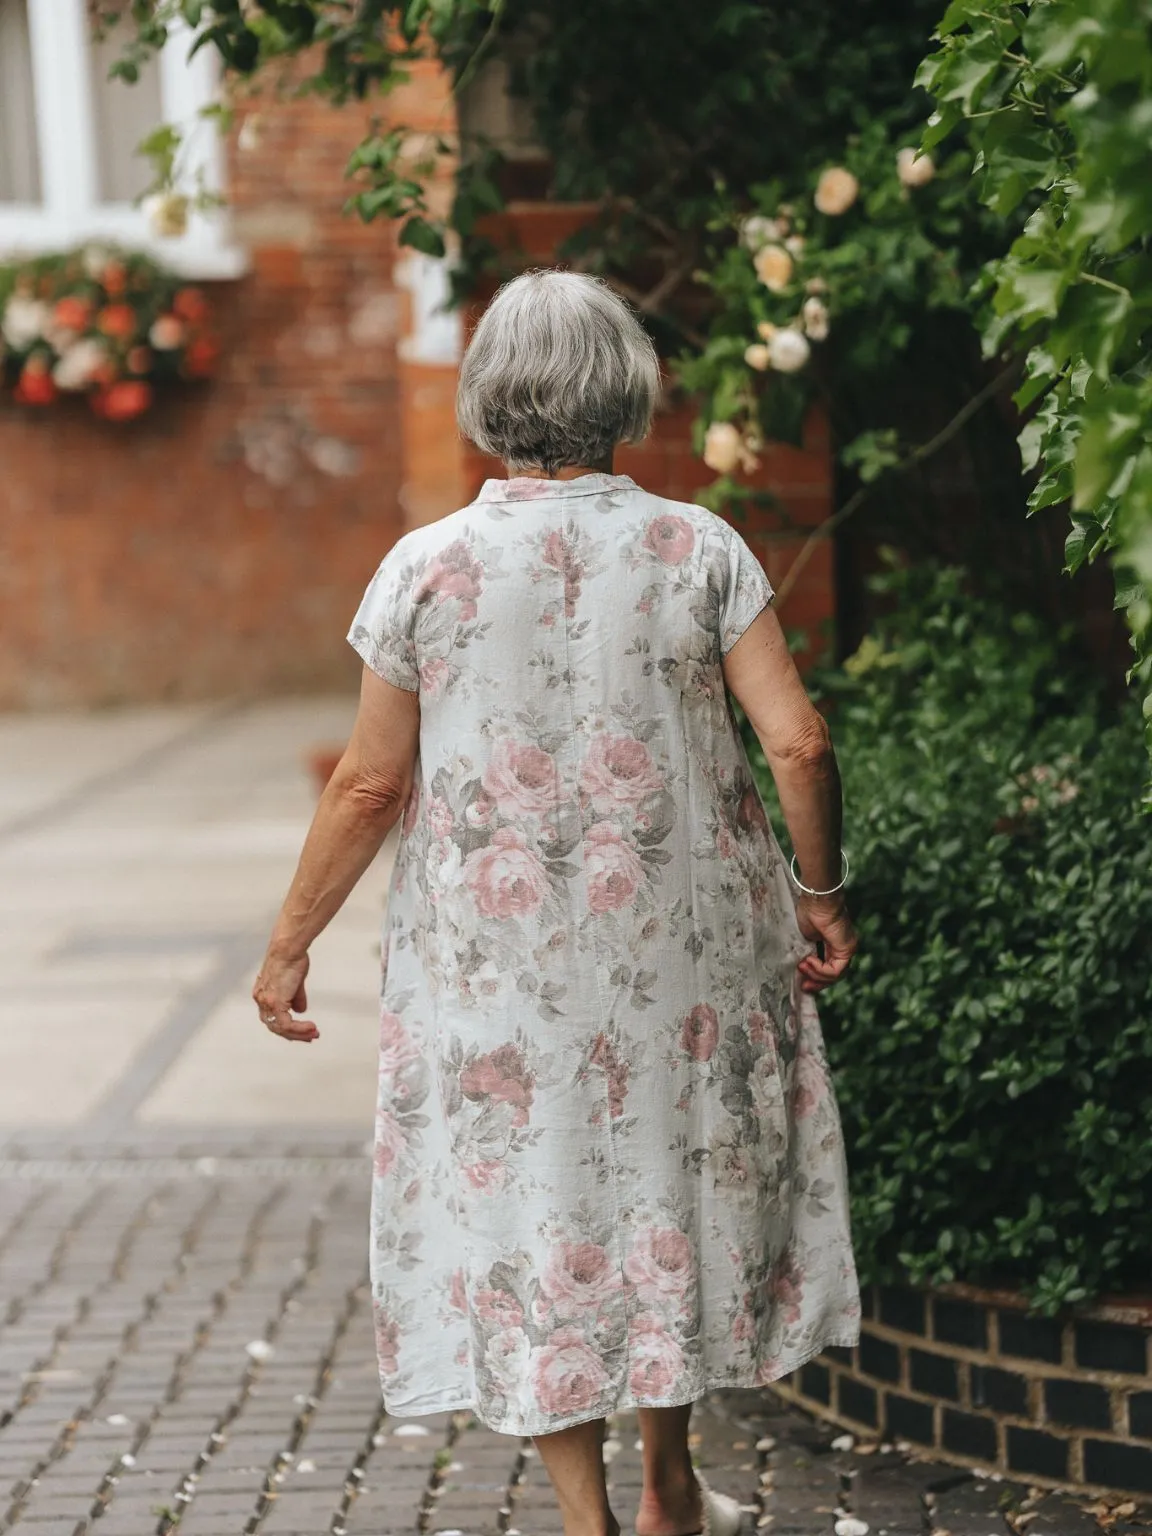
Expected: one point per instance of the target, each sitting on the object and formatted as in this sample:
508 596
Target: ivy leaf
422 236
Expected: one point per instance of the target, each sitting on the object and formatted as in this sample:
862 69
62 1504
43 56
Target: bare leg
574 1460
670 1504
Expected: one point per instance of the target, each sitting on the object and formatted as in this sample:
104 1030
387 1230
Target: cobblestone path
186 1346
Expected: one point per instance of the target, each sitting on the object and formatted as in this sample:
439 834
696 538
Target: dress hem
841 1338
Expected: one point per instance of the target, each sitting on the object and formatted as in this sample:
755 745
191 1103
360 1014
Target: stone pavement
185 1331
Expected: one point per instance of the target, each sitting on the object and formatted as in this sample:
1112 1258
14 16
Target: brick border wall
973 1377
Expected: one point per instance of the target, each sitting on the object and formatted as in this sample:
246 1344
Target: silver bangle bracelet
807 889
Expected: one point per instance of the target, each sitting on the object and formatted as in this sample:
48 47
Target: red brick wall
220 544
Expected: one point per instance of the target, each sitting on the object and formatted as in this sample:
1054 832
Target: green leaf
422 236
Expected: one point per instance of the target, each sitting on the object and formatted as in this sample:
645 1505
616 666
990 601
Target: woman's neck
569 472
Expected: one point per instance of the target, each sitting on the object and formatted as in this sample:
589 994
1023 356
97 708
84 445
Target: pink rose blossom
453 573
439 816
506 1355
744 1323
809 1085
786 1285
506 878
548 618
560 555
603 1054
521 778
499 1308
486 1178
390 1142
503 1076
567 1376
578 1279
387 1341
758 1027
396 1048
644 605
700 1032
670 538
660 1265
457 1297
479 812
613 868
434 675
618 771
655 1359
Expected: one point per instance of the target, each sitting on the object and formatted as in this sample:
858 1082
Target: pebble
410 1431
307 1465
766 1443
843 1442
848 1525
260 1350
117 1419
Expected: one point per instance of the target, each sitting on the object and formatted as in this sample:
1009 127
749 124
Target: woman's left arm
357 810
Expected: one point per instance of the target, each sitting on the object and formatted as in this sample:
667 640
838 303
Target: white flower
167 214
836 190
723 448
914 170
757 231
815 285
765 330
24 321
815 313
774 267
795 245
756 356
788 350
79 365
95 258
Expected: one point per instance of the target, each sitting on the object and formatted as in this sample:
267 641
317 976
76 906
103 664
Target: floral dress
609 1168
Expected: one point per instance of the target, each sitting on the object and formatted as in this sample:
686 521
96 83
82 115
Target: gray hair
559 370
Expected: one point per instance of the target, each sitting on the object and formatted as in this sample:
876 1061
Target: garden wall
975 1378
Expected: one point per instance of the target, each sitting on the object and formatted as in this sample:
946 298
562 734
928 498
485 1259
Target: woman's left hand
279 991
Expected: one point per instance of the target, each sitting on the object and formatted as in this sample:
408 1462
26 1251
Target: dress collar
524 488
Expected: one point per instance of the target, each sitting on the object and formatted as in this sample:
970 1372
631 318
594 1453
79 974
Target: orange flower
35 386
123 401
139 360
191 305
71 313
117 321
114 277
201 356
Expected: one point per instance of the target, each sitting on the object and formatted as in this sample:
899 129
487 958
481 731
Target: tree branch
858 497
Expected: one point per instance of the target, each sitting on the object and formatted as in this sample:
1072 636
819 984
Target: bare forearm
344 838
809 790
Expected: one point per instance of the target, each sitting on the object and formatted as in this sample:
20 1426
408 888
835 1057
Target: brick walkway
186 1344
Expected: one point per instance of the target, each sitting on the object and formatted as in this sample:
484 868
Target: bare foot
671 1513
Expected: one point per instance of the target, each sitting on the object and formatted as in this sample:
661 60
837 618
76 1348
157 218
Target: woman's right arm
762 677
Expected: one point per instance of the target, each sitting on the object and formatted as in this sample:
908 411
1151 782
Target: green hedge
993 1042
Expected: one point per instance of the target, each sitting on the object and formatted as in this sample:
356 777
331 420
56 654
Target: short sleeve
382 631
745 591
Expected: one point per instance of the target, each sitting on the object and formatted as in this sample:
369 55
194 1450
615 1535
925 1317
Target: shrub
993 1042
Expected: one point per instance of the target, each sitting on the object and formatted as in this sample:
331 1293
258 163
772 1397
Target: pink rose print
486 1178
390 1142
498 1308
618 771
758 1027
457 1299
786 1285
670 538
387 1341
603 1054
434 675
396 1048
521 779
454 572
560 555
655 1358
725 843
479 813
744 1323
660 1265
506 1355
700 1032
439 816
750 812
567 1376
809 1085
502 1076
613 868
579 1279
506 878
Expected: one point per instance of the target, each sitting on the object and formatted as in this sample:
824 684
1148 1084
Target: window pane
124 115
19 151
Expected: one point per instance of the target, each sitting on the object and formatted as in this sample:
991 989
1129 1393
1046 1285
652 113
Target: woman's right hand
824 920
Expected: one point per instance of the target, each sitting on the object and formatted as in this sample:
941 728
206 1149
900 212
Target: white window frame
70 212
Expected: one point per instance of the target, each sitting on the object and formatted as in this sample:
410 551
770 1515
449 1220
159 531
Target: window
68 135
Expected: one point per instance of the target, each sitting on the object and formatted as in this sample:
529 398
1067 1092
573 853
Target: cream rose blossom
757 356
167 215
914 170
774 268
789 350
836 191
757 231
80 364
24 321
722 447
815 314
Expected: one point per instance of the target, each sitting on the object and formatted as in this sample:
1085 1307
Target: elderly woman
609 1170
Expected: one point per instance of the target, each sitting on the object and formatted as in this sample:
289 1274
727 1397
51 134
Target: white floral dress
609 1166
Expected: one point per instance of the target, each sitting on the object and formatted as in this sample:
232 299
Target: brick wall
221 543
981 1382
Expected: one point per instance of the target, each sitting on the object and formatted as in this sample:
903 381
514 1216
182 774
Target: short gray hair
559 370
